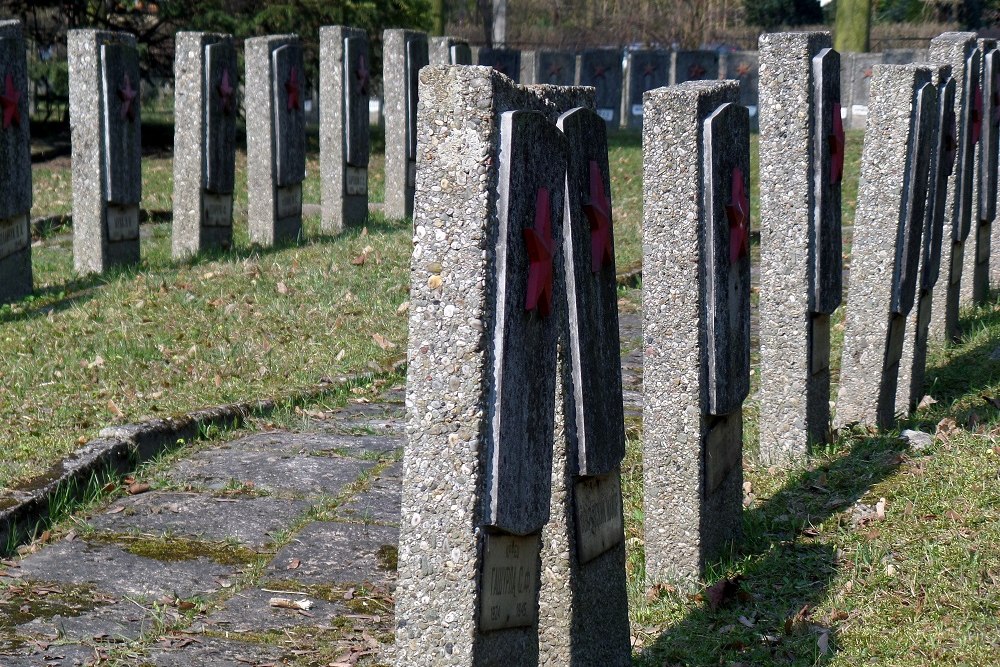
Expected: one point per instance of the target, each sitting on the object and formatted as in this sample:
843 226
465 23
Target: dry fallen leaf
880 509
926 402
403 307
722 592
114 409
383 342
137 488
293 564
946 428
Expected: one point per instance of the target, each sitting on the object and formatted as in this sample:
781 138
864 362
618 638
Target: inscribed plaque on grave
123 222
289 89
14 235
357 87
217 209
913 199
220 95
528 263
122 123
15 143
828 170
288 202
509 582
727 257
597 507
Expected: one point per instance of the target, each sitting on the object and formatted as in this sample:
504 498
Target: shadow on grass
970 368
785 568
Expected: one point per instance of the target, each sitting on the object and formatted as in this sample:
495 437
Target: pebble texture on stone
895 163
957 49
449 51
686 521
15 168
275 91
404 52
800 102
345 82
206 81
912 363
107 183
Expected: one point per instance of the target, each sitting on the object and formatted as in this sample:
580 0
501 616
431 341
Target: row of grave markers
514 393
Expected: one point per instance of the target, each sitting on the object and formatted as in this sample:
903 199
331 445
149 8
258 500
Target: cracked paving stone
122 621
250 611
251 521
212 652
339 553
110 568
380 503
65 655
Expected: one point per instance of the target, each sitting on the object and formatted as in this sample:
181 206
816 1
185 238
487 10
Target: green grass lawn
828 572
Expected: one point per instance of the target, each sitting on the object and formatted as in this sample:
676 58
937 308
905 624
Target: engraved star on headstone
292 88
540 245
599 71
226 90
598 212
696 71
743 69
738 214
867 74
10 101
649 69
976 115
837 143
127 94
555 69
363 74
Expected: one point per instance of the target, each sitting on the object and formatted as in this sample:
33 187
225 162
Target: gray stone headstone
489 199
644 70
697 345
275 96
15 166
557 68
404 52
105 122
801 168
957 49
505 61
856 76
912 365
345 87
903 56
449 51
694 66
743 66
886 249
602 69
976 257
206 105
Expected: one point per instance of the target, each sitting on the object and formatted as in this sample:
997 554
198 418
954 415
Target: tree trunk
852 31
439 17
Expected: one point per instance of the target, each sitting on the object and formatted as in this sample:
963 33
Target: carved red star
363 74
867 74
127 94
539 243
649 69
292 88
598 212
837 142
226 90
976 114
696 71
950 141
599 71
555 70
738 214
743 69
10 100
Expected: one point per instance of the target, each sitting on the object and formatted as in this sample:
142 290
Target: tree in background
772 14
852 31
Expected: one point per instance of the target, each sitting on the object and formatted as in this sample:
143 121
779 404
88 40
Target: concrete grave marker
206 84
976 255
886 248
584 605
802 166
15 166
345 86
602 69
743 66
696 361
912 365
957 49
492 177
903 56
276 141
557 68
644 70
106 128
694 66
505 61
449 51
404 52
856 76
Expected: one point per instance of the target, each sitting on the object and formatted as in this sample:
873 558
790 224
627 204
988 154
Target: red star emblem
599 71
555 70
127 95
867 74
292 88
363 75
696 71
598 212
976 115
950 141
226 90
743 69
649 69
738 214
10 101
837 142
540 245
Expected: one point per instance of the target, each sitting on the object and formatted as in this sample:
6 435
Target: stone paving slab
111 569
250 612
338 553
122 621
213 652
251 521
64 655
380 503
320 441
